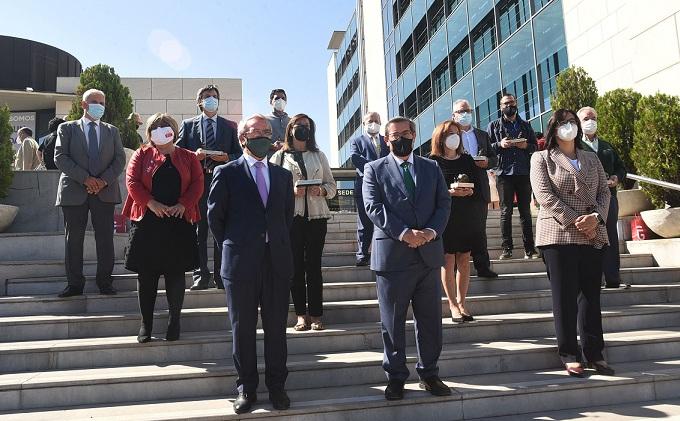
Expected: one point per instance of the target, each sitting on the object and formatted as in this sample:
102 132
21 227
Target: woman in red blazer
164 185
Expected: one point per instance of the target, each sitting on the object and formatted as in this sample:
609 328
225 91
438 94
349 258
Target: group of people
261 189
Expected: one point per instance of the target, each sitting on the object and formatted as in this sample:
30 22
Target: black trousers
270 293
147 289
202 230
75 224
508 186
364 227
575 272
612 261
480 256
308 237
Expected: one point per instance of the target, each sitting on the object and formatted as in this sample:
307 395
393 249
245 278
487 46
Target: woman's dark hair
53 125
559 117
288 138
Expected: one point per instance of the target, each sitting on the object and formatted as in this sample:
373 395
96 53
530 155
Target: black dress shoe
244 402
172 334
107 290
279 399
394 390
612 286
70 291
144 334
200 284
468 318
435 386
487 273
602 368
363 262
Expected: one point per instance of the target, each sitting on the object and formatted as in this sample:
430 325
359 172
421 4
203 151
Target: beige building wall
334 159
372 53
626 43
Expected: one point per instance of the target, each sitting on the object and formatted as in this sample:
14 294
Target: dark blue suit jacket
392 211
191 137
363 151
240 222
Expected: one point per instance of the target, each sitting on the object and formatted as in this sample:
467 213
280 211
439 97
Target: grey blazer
71 157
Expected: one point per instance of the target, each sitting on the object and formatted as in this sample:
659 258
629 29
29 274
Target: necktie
376 144
93 149
408 179
261 183
210 135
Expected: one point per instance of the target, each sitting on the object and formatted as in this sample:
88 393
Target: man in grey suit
407 200
478 144
90 155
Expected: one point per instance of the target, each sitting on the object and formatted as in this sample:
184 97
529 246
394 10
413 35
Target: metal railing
664 184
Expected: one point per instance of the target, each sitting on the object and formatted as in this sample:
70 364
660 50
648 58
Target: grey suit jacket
391 210
71 157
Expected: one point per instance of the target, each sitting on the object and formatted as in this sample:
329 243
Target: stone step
482 368
24 272
336 314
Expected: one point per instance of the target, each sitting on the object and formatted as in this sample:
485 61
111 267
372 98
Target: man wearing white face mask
278 118
364 149
477 143
90 155
208 132
616 171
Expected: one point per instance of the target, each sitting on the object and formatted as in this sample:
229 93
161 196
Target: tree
575 89
6 152
616 114
118 100
657 145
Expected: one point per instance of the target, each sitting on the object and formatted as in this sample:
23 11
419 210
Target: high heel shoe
602 368
172 333
144 334
574 371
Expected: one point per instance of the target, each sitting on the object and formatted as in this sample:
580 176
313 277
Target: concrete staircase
78 358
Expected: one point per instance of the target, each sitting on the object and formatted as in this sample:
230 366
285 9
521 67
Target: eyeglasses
397 135
571 120
252 133
465 110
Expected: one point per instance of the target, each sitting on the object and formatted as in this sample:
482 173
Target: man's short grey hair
462 101
91 92
241 128
370 114
400 119
584 109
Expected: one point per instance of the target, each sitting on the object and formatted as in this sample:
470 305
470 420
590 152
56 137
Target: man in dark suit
407 200
90 155
616 172
208 132
478 144
250 211
366 148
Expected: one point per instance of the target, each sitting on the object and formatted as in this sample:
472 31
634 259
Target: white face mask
567 131
162 136
589 126
280 104
452 141
373 128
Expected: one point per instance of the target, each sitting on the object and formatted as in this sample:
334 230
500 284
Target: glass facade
438 51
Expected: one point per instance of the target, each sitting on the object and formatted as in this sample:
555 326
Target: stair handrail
654 181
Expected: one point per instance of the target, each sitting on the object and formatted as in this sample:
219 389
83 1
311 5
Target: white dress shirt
253 170
470 142
85 125
594 145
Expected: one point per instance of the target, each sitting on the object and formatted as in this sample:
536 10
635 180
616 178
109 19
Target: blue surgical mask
95 111
465 119
210 104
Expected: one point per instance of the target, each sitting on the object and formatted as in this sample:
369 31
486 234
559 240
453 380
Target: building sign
19 120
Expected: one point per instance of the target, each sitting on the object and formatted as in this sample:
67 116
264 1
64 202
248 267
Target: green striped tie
408 180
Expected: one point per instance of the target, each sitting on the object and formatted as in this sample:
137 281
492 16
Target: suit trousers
270 293
420 286
75 224
612 261
364 227
480 256
575 273
202 274
308 237
147 289
508 186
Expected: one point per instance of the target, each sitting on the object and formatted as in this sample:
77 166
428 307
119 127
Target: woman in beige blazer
571 187
302 157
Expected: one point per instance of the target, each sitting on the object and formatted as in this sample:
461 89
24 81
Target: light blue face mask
210 104
95 111
465 119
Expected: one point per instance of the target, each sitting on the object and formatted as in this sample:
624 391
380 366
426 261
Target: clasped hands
587 224
94 185
161 210
416 238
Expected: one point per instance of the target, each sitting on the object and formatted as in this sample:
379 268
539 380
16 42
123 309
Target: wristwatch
600 219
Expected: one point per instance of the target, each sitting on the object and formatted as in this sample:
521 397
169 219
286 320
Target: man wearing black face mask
407 200
514 141
250 212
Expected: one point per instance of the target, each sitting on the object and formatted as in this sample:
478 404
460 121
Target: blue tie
93 150
210 135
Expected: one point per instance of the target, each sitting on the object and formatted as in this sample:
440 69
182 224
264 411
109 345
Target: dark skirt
466 229
161 245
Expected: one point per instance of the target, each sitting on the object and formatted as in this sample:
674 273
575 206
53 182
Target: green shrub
656 150
6 152
574 90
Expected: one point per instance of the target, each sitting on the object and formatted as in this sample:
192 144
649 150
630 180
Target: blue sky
269 44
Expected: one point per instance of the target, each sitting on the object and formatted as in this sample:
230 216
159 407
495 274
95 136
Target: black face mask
510 111
302 133
402 147
259 146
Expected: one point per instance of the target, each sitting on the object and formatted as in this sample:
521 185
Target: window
460 61
551 52
442 109
410 109
451 6
441 80
479 10
483 39
425 129
436 15
420 35
457 28
518 72
511 15
424 94
463 90
525 89
407 53
548 70
487 90
346 58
